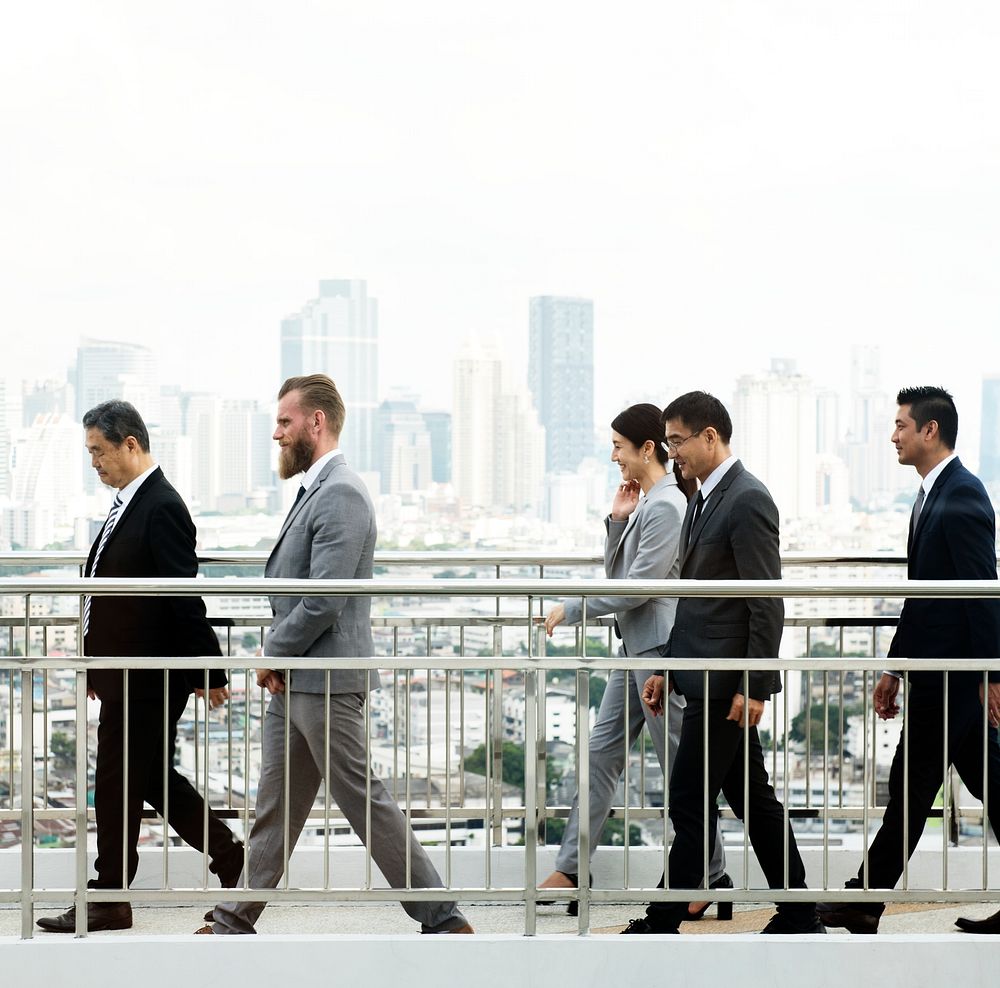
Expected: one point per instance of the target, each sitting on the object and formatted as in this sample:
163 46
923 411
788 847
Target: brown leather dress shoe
205 930
100 916
989 925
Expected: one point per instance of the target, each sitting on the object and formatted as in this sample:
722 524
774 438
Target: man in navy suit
952 537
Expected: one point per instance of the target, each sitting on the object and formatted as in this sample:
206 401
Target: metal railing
521 652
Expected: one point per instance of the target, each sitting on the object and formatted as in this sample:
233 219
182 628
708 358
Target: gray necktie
918 506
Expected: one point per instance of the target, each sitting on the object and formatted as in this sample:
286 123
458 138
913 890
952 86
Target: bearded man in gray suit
329 533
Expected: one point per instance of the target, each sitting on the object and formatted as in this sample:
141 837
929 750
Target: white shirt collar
928 482
316 469
129 490
716 476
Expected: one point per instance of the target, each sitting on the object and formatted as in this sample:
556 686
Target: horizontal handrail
454 557
379 587
506 662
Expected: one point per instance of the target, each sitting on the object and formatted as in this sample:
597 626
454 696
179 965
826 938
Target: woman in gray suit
643 535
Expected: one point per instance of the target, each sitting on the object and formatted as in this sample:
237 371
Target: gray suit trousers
348 774
607 761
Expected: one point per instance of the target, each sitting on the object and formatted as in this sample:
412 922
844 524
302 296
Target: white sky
729 181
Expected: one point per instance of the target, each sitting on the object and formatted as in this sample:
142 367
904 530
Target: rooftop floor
389 919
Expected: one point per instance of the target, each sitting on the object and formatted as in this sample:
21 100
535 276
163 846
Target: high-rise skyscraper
337 334
774 417
439 428
989 436
868 454
498 446
404 447
561 377
107 369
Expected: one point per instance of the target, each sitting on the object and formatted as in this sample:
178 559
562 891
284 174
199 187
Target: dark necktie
298 497
698 505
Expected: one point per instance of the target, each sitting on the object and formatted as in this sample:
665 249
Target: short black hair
930 404
116 420
698 410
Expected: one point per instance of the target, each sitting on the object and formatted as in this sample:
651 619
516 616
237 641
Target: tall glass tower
337 334
561 377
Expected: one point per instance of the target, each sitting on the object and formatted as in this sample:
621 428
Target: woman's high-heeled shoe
573 877
723 910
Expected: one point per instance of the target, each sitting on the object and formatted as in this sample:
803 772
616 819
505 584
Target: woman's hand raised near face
626 499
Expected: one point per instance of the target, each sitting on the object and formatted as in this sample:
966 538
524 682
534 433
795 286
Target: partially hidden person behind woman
643 536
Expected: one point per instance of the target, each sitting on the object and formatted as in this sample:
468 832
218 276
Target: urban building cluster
516 461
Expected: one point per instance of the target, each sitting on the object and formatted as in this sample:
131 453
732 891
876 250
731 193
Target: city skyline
708 176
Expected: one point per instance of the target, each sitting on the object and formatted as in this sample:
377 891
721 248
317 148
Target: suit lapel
931 502
127 513
313 488
708 510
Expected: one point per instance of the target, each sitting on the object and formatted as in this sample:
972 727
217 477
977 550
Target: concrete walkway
490 919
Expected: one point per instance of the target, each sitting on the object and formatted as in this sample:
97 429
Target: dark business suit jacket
736 538
154 537
954 539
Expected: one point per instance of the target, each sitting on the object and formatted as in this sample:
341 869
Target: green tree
63 749
513 765
613 833
797 729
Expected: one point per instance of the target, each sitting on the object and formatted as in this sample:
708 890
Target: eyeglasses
672 445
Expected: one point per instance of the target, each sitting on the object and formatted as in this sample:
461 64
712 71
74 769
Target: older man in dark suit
730 532
148 533
952 537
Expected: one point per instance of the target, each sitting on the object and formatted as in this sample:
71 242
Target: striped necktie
109 526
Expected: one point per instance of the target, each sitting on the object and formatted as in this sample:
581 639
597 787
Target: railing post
531 745
80 857
27 795
497 824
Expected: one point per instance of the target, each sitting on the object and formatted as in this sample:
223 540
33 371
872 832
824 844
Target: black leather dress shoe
797 925
989 925
100 916
853 919
643 925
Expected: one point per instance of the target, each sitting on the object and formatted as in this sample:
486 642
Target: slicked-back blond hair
318 392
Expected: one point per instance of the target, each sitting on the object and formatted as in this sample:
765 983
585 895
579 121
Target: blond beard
295 458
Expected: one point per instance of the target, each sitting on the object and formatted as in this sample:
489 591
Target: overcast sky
729 181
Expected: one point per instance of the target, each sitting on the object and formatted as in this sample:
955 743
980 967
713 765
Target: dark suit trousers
689 802
925 725
145 784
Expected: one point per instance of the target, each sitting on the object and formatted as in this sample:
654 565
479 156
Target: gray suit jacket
330 534
642 548
736 538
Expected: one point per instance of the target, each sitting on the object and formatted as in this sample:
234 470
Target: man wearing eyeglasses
730 532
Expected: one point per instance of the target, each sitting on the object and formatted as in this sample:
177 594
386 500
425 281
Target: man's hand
652 694
754 710
271 680
993 707
217 696
884 696
555 617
